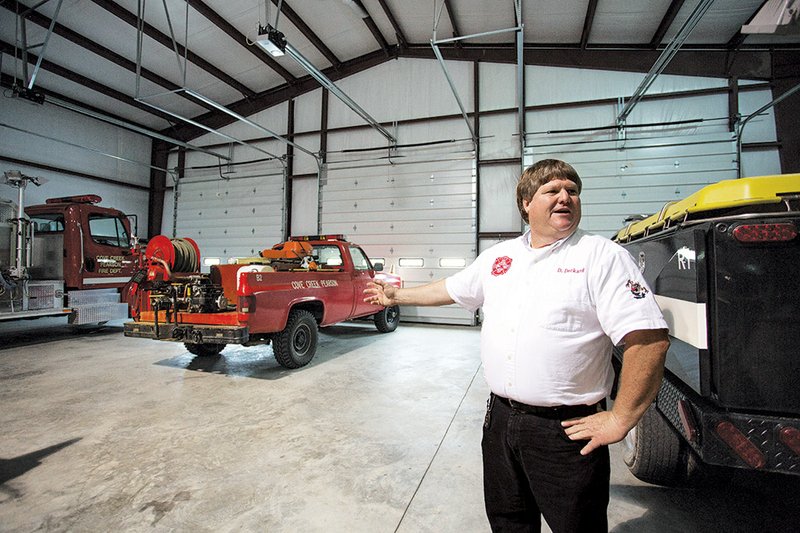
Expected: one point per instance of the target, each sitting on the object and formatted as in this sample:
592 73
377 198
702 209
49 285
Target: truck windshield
109 231
360 261
50 223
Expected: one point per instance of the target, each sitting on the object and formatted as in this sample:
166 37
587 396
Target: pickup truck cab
281 297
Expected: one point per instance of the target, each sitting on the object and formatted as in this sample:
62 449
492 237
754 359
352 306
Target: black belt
560 412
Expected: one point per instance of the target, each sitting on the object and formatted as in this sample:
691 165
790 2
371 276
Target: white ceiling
91 57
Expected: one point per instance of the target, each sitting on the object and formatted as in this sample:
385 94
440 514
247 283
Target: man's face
554 211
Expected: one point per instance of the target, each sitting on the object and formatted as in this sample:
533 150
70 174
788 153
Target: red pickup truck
281 297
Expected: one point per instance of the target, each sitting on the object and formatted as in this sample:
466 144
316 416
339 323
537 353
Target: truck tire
205 349
296 345
655 453
387 319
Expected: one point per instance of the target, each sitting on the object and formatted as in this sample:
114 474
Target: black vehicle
724 265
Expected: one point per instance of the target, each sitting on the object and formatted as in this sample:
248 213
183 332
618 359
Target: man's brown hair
540 173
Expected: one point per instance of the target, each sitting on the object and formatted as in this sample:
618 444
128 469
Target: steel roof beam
234 34
105 53
295 19
666 21
86 82
165 40
398 31
588 21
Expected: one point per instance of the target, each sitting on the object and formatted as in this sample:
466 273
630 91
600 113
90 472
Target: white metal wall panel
305 206
498 193
232 218
403 89
499 136
551 85
497 86
89 146
411 209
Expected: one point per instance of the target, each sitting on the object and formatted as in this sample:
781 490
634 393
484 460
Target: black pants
531 469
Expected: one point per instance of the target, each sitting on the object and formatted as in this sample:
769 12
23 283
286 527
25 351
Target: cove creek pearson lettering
314 284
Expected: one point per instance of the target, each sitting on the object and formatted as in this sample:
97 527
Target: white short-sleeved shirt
553 314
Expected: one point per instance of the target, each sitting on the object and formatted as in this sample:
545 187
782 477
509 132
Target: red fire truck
67 257
280 297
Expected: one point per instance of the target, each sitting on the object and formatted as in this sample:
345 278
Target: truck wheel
654 452
296 345
387 319
205 349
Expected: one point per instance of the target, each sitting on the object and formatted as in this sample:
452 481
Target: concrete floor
380 433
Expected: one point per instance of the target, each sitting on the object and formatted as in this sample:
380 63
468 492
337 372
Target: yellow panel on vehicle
721 195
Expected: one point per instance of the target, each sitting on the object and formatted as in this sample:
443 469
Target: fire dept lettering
315 284
109 264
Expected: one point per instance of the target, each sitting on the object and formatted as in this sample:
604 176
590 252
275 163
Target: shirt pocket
564 315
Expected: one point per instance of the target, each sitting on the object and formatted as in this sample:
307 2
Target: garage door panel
412 239
401 215
437 315
658 180
407 210
360 204
672 192
443 226
232 218
393 183
426 190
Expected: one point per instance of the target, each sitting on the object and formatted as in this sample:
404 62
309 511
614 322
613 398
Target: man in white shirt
555 301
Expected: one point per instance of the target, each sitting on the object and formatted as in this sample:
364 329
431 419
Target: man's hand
642 369
600 429
378 292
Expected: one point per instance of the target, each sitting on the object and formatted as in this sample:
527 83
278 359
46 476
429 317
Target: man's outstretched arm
381 293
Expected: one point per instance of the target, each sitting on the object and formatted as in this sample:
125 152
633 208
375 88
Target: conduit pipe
749 117
665 57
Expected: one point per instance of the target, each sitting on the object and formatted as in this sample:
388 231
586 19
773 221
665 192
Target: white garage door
418 217
232 218
638 176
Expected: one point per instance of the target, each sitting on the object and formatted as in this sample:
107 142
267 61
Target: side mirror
377 267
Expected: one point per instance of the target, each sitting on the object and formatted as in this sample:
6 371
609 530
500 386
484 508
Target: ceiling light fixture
271 40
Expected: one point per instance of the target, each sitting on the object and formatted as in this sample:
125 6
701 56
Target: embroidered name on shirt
571 270
501 265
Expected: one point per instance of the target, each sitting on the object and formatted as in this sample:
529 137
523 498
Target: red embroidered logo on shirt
501 265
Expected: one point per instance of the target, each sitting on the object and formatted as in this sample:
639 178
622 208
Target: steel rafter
54 68
213 17
105 53
588 21
307 32
163 39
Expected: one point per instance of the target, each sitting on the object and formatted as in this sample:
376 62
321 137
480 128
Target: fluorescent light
271 40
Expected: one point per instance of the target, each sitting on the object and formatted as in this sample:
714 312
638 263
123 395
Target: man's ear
525 204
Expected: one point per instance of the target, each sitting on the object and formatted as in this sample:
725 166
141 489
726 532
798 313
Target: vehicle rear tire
204 349
296 345
655 453
387 319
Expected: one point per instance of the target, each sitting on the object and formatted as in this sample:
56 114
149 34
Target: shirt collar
526 241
